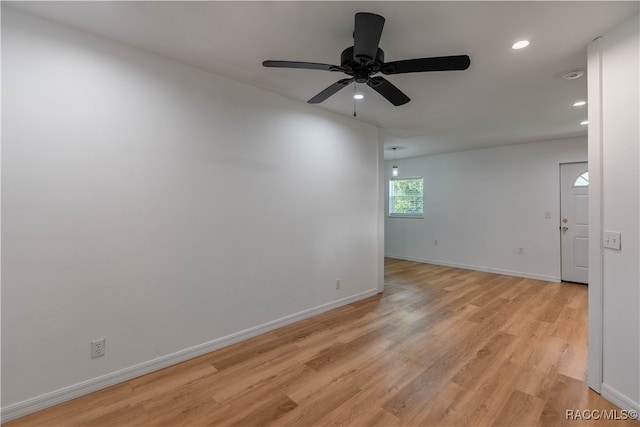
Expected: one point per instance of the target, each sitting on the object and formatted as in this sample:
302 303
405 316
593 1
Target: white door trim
381 210
596 200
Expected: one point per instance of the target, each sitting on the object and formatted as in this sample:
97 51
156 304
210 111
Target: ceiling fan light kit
365 59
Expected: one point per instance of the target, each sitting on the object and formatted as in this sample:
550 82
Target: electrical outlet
520 251
97 348
337 283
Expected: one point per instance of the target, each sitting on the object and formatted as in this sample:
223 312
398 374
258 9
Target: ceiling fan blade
441 63
389 91
304 65
330 91
366 36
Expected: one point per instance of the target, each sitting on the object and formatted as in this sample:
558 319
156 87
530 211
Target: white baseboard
619 399
56 397
478 268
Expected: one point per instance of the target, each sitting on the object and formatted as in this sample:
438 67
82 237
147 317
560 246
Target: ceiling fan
365 59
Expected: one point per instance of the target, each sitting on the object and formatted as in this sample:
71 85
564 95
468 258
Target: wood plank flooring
440 347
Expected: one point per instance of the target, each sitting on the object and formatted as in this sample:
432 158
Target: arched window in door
582 180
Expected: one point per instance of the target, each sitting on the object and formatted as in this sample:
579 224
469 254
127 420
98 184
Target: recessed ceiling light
584 122
358 96
520 44
579 103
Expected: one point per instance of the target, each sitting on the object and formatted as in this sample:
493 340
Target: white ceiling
505 96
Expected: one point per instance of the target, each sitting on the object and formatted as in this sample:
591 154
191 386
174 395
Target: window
582 180
406 197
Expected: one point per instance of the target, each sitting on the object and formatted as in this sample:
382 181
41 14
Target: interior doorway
574 222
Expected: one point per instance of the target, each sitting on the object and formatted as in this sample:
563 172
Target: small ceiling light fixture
358 96
521 44
579 103
394 169
572 75
584 122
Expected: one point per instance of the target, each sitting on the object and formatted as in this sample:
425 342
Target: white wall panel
162 207
614 148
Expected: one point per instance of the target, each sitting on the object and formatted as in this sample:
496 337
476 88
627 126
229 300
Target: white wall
166 209
614 155
482 205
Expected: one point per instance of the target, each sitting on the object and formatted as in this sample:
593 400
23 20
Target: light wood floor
440 347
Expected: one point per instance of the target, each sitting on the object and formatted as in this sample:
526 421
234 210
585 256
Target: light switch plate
612 240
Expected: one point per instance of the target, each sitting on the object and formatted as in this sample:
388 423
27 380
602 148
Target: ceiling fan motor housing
360 70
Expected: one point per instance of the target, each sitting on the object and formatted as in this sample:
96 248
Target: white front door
574 222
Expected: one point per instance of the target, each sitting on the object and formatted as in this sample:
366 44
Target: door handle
565 228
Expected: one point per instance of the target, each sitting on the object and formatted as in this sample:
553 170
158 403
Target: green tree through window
406 197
